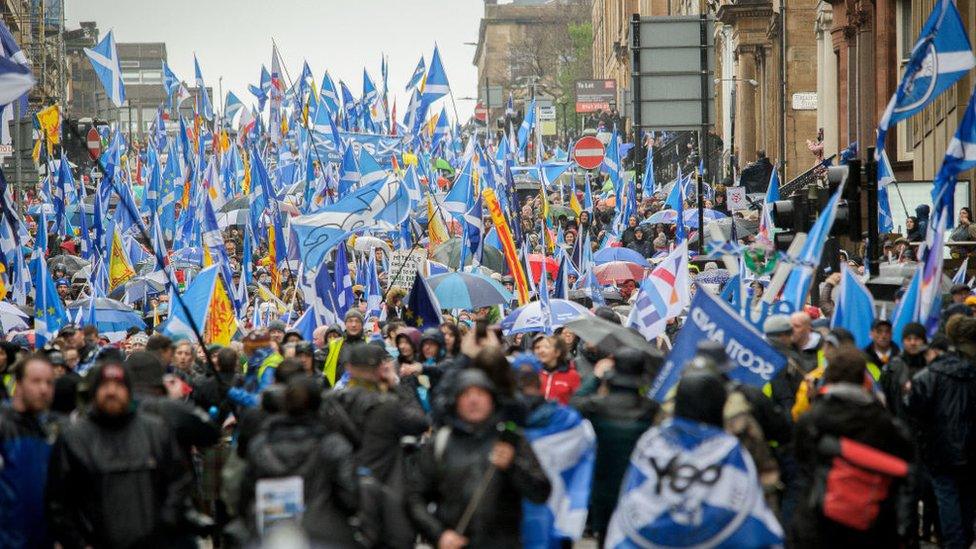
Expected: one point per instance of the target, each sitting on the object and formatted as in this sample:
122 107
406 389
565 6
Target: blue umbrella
110 315
467 291
528 318
607 255
691 217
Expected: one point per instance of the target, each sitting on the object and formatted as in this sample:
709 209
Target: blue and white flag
418 75
855 307
382 206
104 58
15 80
170 82
436 85
566 448
231 106
754 361
960 156
663 294
798 284
612 165
11 51
941 56
886 176
691 485
525 130
204 106
960 276
49 313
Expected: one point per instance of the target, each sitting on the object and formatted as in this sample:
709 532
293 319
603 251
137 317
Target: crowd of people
396 434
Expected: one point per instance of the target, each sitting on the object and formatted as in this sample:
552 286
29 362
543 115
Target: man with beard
116 478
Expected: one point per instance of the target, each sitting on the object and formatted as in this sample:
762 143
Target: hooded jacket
117 482
943 398
25 448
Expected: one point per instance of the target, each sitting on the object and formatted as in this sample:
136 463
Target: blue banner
754 361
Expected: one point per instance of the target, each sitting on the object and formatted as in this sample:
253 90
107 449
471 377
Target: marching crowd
396 434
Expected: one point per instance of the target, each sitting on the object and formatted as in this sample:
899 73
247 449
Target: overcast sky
232 38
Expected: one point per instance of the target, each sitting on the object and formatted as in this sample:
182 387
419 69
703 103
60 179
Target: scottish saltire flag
15 80
930 289
854 309
726 509
231 106
960 276
204 106
382 206
663 294
611 161
260 92
565 445
344 297
11 51
435 85
418 75
766 216
49 313
456 200
370 170
170 82
104 58
907 308
886 176
525 130
941 56
797 286
960 156
329 95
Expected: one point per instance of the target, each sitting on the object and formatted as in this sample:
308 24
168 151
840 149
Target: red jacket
560 384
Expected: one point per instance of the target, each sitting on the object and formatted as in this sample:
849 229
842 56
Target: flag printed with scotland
565 445
382 206
663 294
690 484
941 56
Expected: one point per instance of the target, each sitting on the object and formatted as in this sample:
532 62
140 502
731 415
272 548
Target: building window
131 77
128 63
904 41
152 77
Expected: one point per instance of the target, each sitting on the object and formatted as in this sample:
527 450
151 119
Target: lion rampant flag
119 267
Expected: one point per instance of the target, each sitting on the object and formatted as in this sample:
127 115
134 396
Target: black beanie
105 370
146 371
914 329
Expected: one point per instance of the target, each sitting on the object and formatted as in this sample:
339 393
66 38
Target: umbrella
618 271
690 216
449 253
607 255
667 217
528 318
535 264
467 291
556 211
743 227
441 164
713 276
112 316
609 336
11 317
366 243
70 263
138 287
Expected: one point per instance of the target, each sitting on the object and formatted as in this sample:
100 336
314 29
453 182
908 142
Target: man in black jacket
116 478
472 459
297 444
942 397
374 417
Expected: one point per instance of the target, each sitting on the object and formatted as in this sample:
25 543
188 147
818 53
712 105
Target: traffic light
790 216
848 219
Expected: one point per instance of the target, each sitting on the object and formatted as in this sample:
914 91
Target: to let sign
595 95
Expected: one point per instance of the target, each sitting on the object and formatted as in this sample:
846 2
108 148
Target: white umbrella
367 243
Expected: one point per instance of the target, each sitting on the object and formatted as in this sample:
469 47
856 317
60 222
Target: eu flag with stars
423 310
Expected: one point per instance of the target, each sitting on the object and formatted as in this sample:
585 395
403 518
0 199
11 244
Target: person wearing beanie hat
259 373
902 368
90 501
471 449
960 292
942 398
338 355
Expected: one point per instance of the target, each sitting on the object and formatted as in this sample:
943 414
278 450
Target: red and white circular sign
94 142
588 152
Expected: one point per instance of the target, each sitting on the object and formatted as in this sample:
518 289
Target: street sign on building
674 64
588 152
595 95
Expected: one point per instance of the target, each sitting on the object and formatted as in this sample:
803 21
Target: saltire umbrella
690 216
535 264
528 318
111 315
616 272
12 318
449 253
607 255
467 291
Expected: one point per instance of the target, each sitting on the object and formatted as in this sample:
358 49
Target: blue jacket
260 374
24 454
